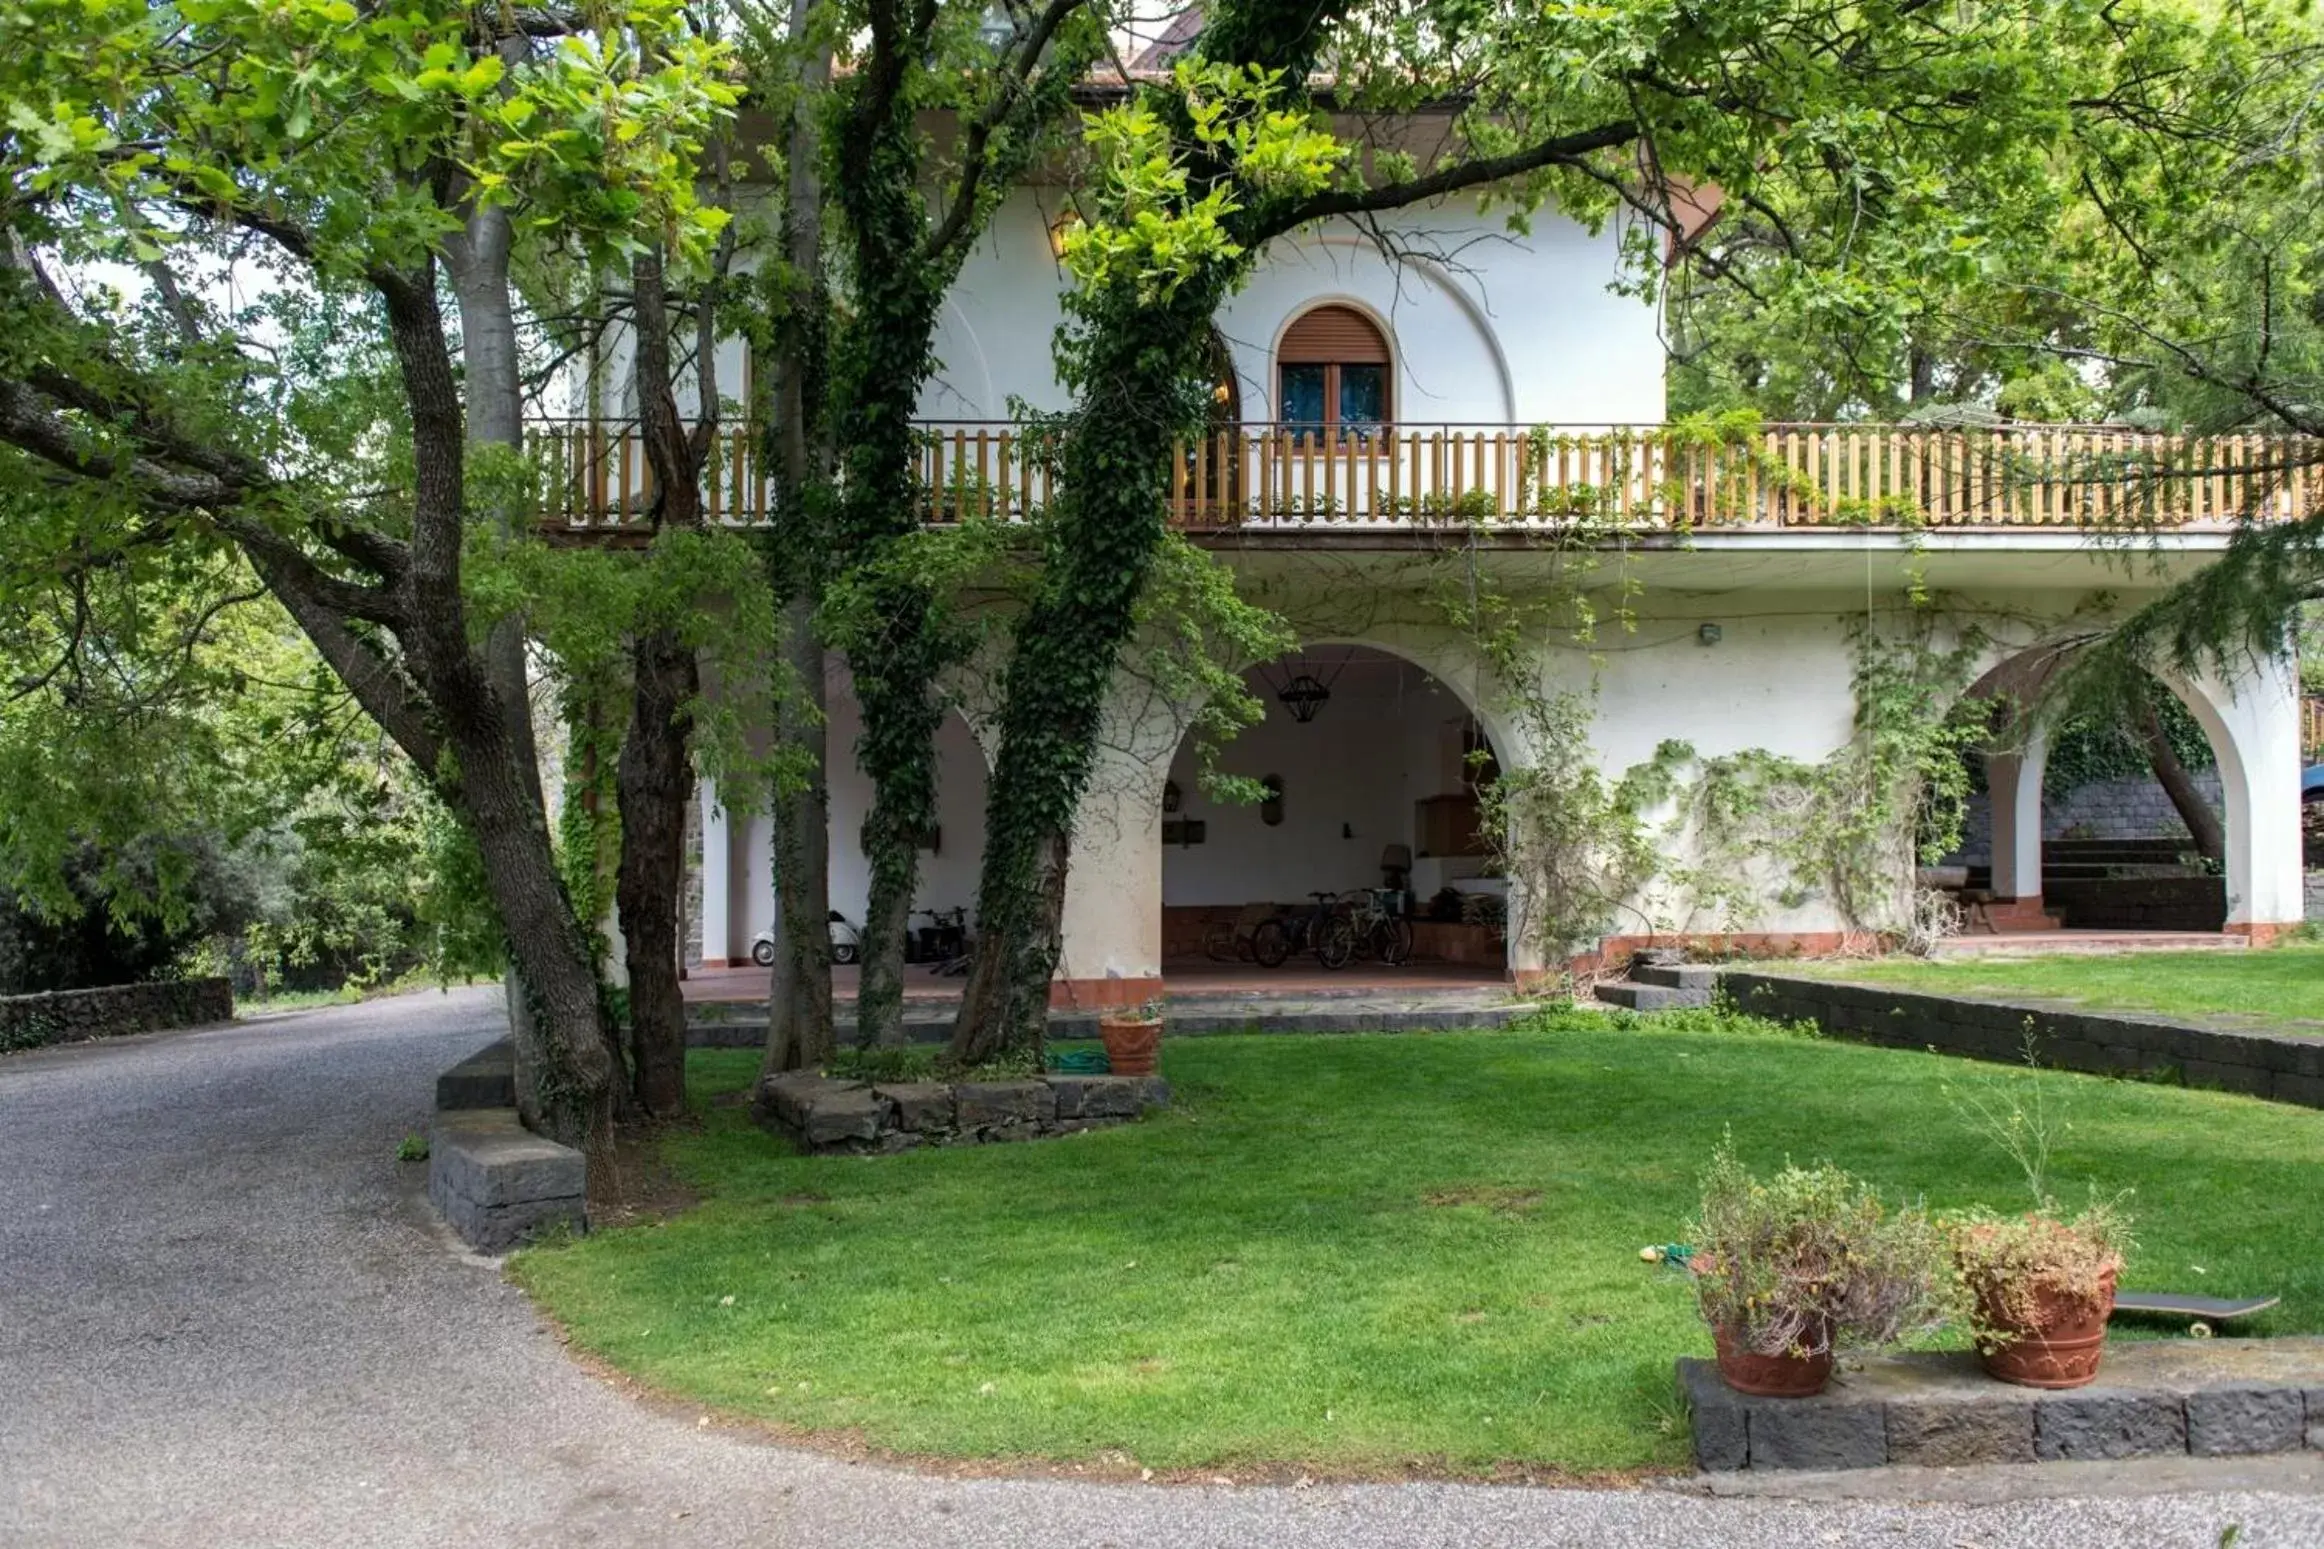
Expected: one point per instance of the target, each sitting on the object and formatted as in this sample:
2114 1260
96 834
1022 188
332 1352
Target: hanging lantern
1303 696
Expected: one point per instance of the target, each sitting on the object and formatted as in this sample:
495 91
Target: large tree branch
959 219
29 420
1563 150
279 556
377 683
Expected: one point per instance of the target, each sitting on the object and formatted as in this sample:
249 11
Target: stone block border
2156 1398
497 1183
74 1016
823 1115
743 1025
2287 1067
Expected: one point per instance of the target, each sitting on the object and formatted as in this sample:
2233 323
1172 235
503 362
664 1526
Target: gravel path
227 1319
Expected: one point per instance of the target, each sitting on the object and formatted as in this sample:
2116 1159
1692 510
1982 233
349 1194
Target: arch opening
1372 768
2096 821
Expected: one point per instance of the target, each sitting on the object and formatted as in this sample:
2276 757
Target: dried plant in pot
1133 1038
2041 1287
1793 1268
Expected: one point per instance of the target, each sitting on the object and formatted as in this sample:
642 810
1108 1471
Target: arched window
1331 374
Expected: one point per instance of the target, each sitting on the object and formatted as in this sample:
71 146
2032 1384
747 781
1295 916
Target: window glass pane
1363 398
1302 397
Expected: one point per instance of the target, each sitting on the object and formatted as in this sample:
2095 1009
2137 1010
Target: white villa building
1457 411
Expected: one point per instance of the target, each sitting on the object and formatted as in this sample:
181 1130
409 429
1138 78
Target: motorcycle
846 943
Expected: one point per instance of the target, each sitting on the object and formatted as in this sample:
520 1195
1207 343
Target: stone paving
228 1319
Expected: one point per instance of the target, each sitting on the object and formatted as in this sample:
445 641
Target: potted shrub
1793 1268
1133 1037
2041 1287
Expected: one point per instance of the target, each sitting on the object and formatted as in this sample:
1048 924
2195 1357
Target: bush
1810 1260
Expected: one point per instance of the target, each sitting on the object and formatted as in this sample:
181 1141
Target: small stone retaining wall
819 1114
2156 1398
2285 1066
72 1016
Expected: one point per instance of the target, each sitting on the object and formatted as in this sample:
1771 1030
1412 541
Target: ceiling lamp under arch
1303 696
1303 693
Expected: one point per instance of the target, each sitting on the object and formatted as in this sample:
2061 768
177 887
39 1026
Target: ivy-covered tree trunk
892 649
799 1028
656 764
898 749
1110 522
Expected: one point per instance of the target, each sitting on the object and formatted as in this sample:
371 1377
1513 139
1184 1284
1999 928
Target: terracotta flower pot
1770 1376
2058 1346
1131 1044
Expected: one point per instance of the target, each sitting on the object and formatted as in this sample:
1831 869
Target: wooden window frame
1331 432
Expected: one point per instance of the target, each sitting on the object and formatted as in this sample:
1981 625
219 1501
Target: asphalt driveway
226 1318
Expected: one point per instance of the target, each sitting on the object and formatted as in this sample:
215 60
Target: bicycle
1322 929
1379 928
1232 942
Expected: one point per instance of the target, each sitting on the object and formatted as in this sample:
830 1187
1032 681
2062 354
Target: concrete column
717 866
2252 716
2014 784
1112 948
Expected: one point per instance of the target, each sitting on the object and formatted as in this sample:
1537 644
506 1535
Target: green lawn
2277 984
1352 1254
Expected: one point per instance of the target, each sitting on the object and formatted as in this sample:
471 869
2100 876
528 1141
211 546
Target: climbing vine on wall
1682 841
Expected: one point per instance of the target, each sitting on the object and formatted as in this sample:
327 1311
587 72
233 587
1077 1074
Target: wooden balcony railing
1265 477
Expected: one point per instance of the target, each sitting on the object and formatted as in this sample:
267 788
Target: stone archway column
717 887
2014 786
2252 716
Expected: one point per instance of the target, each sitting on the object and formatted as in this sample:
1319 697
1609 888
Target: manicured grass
2277 984
1354 1253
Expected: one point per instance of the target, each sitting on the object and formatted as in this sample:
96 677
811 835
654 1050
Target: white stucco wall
1498 329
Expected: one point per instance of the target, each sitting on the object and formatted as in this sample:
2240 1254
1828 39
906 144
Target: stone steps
1662 987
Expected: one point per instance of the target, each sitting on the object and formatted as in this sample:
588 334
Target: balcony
1615 479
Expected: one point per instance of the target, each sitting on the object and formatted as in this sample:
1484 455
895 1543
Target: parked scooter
846 943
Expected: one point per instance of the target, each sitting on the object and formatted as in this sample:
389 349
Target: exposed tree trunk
2202 823
571 1044
477 258
799 1031
656 768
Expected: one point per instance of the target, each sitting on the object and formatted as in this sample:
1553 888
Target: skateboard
2200 1311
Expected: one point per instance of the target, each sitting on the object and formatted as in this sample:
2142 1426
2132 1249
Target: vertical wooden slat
1416 489
1978 450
